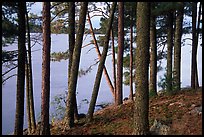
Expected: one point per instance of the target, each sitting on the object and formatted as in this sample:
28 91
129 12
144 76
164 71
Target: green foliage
35 23
9 23
163 83
126 74
152 94
84 72
58 56
101 40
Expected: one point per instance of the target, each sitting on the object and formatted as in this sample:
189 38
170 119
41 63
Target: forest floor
179 112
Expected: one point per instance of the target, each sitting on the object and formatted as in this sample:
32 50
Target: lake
59 74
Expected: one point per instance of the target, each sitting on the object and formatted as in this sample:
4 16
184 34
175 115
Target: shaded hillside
181 112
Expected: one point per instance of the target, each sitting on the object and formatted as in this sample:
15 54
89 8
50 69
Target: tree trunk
119 82
99 56
31 101
195 35
177 47
194 46
75 66
169 51
153 57
45 95
131 60
71 48
27 95
113 63
100 67
18 129
141 103
131 53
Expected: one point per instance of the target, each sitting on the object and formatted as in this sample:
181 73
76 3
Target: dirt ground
182 112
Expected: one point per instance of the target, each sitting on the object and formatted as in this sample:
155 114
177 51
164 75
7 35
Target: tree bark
153 57
131 60
75 66
195 35
100 67
31 101
169 51
131 54
71 48
141 103
18 129
177 47
45 95
113 63
119 82
27 96
99 56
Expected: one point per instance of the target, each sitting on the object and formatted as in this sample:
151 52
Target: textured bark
195 35
71 48
119 82
177 47
27 96
141 102
100 67
75 66
113 63
31 101
45 95
153 57
131 60
18 129
131 55
99 56
169 51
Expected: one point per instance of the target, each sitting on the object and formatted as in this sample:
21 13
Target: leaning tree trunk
153 57
75 67
100 66
31 101
119 82
99 56
169 51
18 129
45 95
141 103
177 47
71 48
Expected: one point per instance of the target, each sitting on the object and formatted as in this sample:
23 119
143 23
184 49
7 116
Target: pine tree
153 55
100 67
169 50
119 82
18 129
75 66
45 95
177 46
141 102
